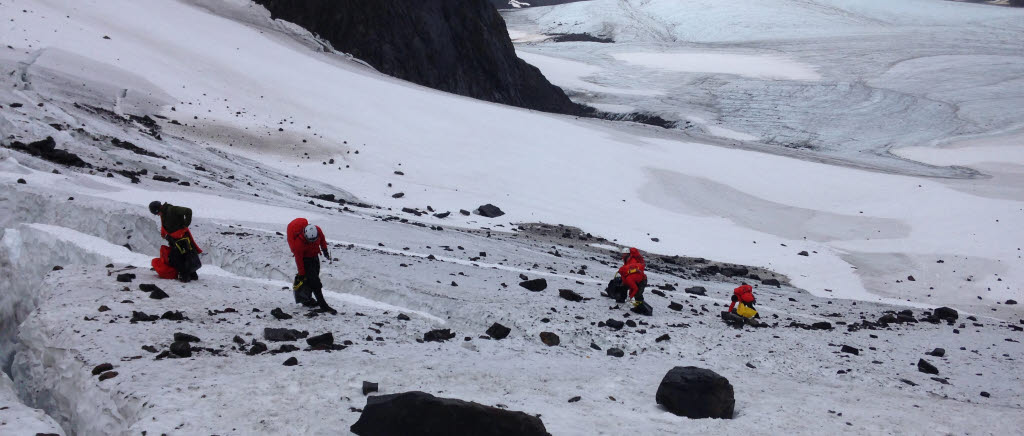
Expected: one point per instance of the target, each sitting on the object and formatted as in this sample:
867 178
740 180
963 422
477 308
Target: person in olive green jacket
174 222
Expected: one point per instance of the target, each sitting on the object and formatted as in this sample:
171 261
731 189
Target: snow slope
821 79
522 170
257 119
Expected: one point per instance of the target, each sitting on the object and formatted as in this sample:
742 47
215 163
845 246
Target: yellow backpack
745 311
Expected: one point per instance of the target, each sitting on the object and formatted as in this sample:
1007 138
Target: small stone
938 352
985 394
803 253
535 285
369 387
696 290
283 335
185 337
438 335
126 277
257 348
575 399
181 349
403 317
103 308
325 340
595 346
662 338
22 181
498 331
173 316
280 314
570 295
850 350
292 361
675 306
101 368
926 367
108 375
158 294
549 339
615 352
1011 302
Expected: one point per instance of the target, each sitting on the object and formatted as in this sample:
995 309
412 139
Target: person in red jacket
633 275
743 294
307 242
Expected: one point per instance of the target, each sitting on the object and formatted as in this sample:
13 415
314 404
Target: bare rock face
460 47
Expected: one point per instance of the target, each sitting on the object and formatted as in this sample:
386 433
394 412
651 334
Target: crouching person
307 243
742 310
183 253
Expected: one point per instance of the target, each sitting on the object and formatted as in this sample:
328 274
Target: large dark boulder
460 47
422 414
946 314
490 211
696 393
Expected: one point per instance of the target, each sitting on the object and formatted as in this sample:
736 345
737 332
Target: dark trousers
312 287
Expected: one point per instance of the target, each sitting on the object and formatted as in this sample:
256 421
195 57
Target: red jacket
744 294
301 248
632 271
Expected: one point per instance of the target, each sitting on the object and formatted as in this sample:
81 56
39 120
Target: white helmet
624 251
311 233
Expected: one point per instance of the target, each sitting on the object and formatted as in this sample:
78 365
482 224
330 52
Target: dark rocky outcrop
46 150
696 393
459 47
422 414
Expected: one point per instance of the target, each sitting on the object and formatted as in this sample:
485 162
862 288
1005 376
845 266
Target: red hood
743 289
634 257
